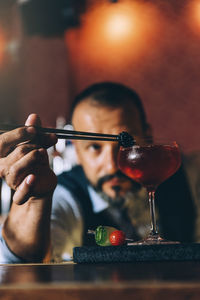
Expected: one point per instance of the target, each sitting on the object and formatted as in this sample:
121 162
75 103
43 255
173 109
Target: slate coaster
162 252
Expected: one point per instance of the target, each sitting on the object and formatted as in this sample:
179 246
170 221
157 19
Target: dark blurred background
50 50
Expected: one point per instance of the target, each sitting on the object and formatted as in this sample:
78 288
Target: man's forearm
27 229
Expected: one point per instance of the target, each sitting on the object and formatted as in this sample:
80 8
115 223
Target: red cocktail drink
149 165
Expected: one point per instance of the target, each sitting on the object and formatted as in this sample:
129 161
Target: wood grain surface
145 281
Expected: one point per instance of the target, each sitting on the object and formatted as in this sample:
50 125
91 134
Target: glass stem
152 212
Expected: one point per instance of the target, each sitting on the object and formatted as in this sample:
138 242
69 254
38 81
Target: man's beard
117 200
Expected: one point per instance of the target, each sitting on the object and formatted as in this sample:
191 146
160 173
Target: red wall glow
154 51
159 58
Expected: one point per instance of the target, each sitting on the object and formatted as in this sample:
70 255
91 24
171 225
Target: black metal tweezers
67 134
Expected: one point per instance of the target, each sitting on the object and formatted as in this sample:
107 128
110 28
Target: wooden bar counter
136 280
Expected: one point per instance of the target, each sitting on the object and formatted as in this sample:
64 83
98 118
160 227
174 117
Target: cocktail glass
150 164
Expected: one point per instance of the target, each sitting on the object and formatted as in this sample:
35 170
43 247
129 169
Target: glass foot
152 239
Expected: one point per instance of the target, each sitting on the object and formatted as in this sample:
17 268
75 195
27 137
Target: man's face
99 158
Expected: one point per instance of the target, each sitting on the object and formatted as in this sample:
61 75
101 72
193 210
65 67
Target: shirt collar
98 203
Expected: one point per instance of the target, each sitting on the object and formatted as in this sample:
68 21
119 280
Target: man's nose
110 161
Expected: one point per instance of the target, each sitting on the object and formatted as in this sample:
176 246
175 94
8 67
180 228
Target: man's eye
95 147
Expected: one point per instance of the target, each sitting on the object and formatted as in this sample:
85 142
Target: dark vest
173 200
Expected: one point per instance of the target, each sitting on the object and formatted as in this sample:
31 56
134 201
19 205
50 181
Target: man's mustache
102 180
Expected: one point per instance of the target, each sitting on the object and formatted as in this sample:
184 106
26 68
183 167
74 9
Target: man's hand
24 163
25 167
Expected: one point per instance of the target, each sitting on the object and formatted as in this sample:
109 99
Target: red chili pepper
117 238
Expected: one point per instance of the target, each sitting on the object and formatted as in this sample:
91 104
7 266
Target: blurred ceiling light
111 23
119 25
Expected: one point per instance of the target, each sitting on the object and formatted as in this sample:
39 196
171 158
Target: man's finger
24 166
33 120
44 140
9 140
23 191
